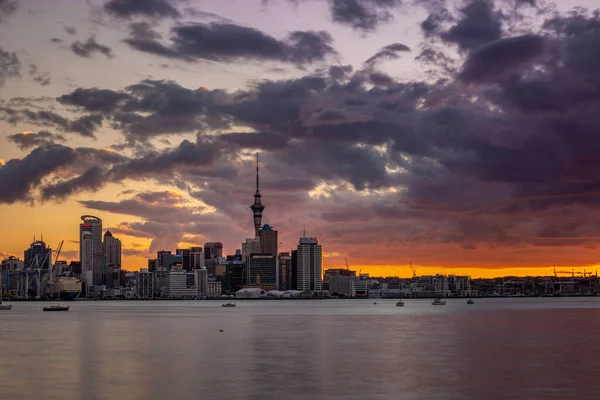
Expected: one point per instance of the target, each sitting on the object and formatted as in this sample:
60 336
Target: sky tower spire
257 208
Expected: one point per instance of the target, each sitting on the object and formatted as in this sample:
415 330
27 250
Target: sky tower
257 208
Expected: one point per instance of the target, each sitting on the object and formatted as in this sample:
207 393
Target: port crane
414 273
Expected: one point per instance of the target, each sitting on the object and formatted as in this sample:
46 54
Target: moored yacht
439 302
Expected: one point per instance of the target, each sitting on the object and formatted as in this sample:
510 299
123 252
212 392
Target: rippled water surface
339 349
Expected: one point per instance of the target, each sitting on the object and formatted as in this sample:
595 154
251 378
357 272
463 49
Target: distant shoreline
311 299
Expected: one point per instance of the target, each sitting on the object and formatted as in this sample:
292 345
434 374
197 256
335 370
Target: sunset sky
461 136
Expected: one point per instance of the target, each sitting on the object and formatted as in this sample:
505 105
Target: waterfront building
310 264
38 255
285 272
213 289
202 282
234 273
12 263
342 285
294 283
112 260
87 258
180 283
91 227
145 284
262 269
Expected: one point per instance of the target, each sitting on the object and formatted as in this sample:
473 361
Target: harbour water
338 349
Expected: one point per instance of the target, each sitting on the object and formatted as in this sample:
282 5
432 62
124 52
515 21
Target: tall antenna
304 231
257 171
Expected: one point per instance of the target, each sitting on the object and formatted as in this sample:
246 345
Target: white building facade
310 264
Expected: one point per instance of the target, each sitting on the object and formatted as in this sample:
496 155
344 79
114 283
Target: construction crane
413 270
347 267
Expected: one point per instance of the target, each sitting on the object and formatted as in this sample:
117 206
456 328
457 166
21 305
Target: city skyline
458 136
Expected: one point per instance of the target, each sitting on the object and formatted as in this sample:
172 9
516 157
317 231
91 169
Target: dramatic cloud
17 177
479 23
389 52
145 8
9 66
28 140
86 49
7 8
227 42
362 14
502 58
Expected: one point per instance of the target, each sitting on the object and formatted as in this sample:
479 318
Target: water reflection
297 350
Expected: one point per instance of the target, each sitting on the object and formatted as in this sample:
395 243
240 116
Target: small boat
438 302
470 301
400 304
228 305
56 307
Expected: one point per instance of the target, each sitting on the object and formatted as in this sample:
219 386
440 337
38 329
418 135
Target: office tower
234 273
38 256
196 258
257 208
201 282
92 226
112 259
262 269
153 265
310 264
165 259
87 257
186 259
213 250
268 240
285 272
294 282
145 284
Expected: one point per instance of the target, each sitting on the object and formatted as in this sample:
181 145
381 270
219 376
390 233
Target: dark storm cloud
28 140
94 99
89 180
89 47
17 177
504 57
144 8
389 52
85 125
7 8
228 42
478 22
364 15
259 140
10 66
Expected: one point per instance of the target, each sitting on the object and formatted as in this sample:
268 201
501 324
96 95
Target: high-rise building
112 260
257 207
145 284
201 282
294 282
310 264
268 240
186 260
86 254
213 250
285 272
92 226
196 258
234 273
38 256
262 269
